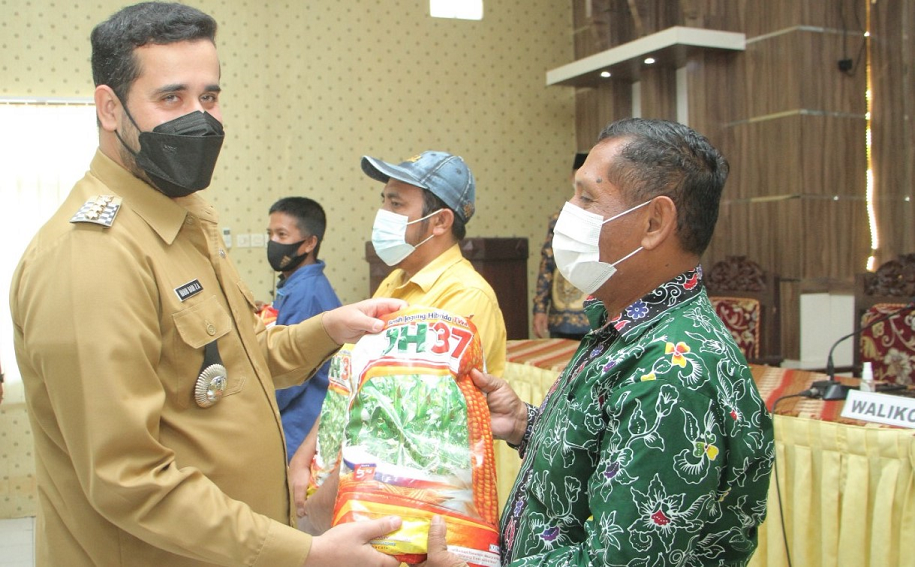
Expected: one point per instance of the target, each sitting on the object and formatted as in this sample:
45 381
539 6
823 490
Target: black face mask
179 156
282 257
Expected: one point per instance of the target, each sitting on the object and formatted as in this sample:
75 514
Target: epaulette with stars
100 209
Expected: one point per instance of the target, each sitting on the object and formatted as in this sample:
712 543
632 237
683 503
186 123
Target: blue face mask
389 235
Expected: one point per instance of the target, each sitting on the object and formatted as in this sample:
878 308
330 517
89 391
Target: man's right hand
507 411
347 545
438 554
347 324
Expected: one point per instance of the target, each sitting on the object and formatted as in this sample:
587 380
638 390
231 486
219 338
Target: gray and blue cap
446 176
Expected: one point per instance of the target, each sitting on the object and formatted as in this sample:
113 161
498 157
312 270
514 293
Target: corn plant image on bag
418 440
334 412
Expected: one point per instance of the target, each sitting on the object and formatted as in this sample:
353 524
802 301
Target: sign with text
880 408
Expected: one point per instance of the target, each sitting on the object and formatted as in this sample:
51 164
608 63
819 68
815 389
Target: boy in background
296 230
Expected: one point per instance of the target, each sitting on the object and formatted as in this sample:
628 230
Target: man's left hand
348 323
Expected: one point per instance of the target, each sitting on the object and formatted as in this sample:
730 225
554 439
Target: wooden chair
889 345
747 299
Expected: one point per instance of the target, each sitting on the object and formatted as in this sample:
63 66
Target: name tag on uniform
189 289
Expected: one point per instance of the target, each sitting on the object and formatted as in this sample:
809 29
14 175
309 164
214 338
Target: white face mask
389 235
576 247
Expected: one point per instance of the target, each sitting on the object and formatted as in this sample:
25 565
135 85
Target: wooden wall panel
834 159
799 70
587 119
710 93
597 107
765 158
656 15
835 14
802 160
584 39
835 247
893 134
770 233
710 14
659 92
610 25
759 18
612 22
825 87
772 75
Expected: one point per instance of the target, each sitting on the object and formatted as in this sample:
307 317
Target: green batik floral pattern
653 448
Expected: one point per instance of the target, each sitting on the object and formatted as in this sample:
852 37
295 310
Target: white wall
824 319
49 150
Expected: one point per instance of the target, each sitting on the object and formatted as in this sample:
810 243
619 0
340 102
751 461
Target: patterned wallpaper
309 86
18 487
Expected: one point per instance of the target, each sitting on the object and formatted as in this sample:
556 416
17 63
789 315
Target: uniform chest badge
211 383
100 210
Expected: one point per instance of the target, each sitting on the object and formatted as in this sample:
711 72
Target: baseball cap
445 175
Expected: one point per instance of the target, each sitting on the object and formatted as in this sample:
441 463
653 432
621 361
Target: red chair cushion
889 345
741 317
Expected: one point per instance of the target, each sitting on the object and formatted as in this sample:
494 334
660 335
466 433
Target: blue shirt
304 294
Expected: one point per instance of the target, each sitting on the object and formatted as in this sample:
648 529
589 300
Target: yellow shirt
131 471
450 283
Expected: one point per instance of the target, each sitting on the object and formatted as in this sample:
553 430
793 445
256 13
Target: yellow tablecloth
848 493
848 490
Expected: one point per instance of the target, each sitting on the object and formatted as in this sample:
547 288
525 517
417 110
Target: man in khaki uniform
149 380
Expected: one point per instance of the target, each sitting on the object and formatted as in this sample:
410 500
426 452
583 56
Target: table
847 487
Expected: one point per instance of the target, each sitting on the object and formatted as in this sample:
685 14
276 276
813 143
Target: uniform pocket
204 323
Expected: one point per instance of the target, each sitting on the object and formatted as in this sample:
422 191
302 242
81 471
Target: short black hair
432 203
114 40
659 157
308 214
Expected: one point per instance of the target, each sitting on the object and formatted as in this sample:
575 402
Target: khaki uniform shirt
449 282
131 471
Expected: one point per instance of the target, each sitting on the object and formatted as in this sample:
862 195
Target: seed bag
418 440
334 414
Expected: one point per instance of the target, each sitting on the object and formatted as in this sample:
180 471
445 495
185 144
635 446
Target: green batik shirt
653 448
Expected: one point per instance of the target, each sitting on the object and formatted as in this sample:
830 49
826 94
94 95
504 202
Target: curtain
46 148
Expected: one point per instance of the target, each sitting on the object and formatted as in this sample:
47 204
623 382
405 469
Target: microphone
832 389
